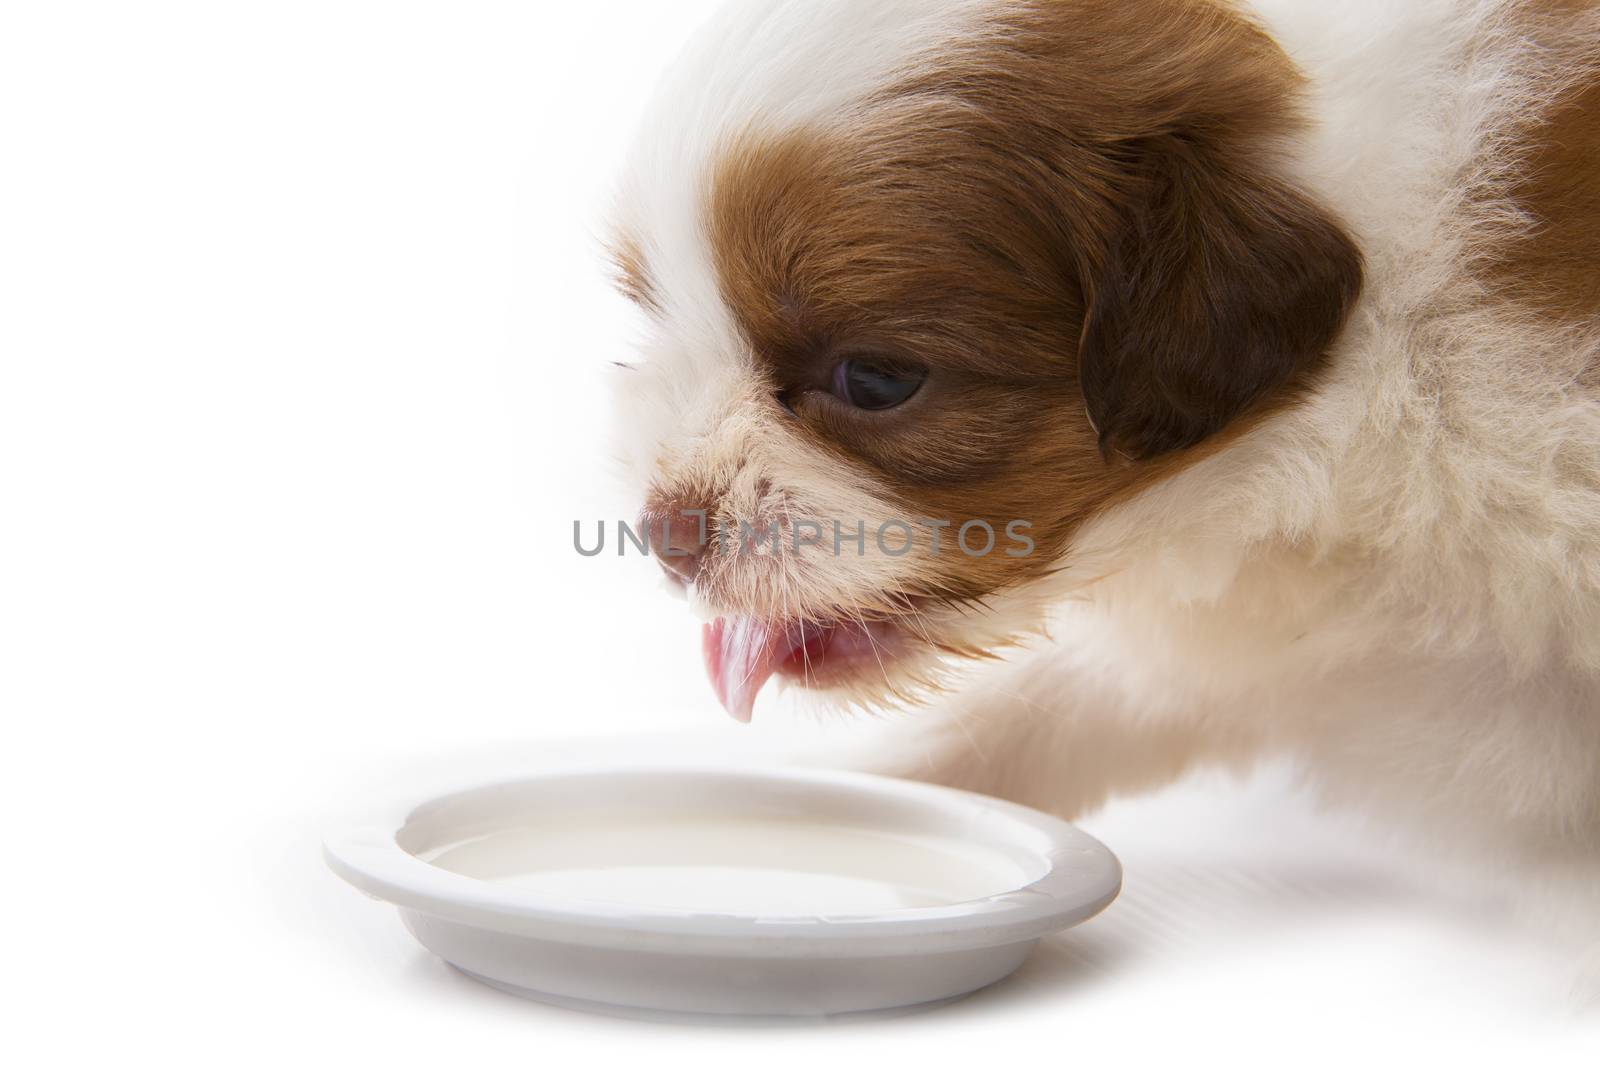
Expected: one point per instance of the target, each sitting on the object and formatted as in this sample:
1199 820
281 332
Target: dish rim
1081 877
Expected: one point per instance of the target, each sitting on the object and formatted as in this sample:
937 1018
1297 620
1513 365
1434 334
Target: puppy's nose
678 540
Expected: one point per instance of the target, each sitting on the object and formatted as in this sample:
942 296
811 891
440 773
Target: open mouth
743 652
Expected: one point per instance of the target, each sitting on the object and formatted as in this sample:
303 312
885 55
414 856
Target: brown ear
1222 290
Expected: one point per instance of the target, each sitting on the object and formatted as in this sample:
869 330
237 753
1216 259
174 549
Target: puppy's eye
873 386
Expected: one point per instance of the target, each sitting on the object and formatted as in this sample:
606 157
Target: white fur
1397 582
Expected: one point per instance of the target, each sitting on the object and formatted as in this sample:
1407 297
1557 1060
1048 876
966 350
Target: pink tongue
741 654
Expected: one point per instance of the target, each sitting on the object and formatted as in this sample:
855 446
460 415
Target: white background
304 326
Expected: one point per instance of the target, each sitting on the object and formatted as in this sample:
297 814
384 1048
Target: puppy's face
932 284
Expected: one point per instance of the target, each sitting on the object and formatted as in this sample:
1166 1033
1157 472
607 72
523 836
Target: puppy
1257 340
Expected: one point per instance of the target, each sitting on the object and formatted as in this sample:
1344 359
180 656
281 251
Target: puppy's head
931 284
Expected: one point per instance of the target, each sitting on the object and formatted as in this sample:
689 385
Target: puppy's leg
1058 740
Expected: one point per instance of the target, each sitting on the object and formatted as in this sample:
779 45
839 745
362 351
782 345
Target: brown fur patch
1073 210
631 275
1555 266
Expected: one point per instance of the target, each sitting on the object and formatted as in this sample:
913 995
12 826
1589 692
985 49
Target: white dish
772 892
